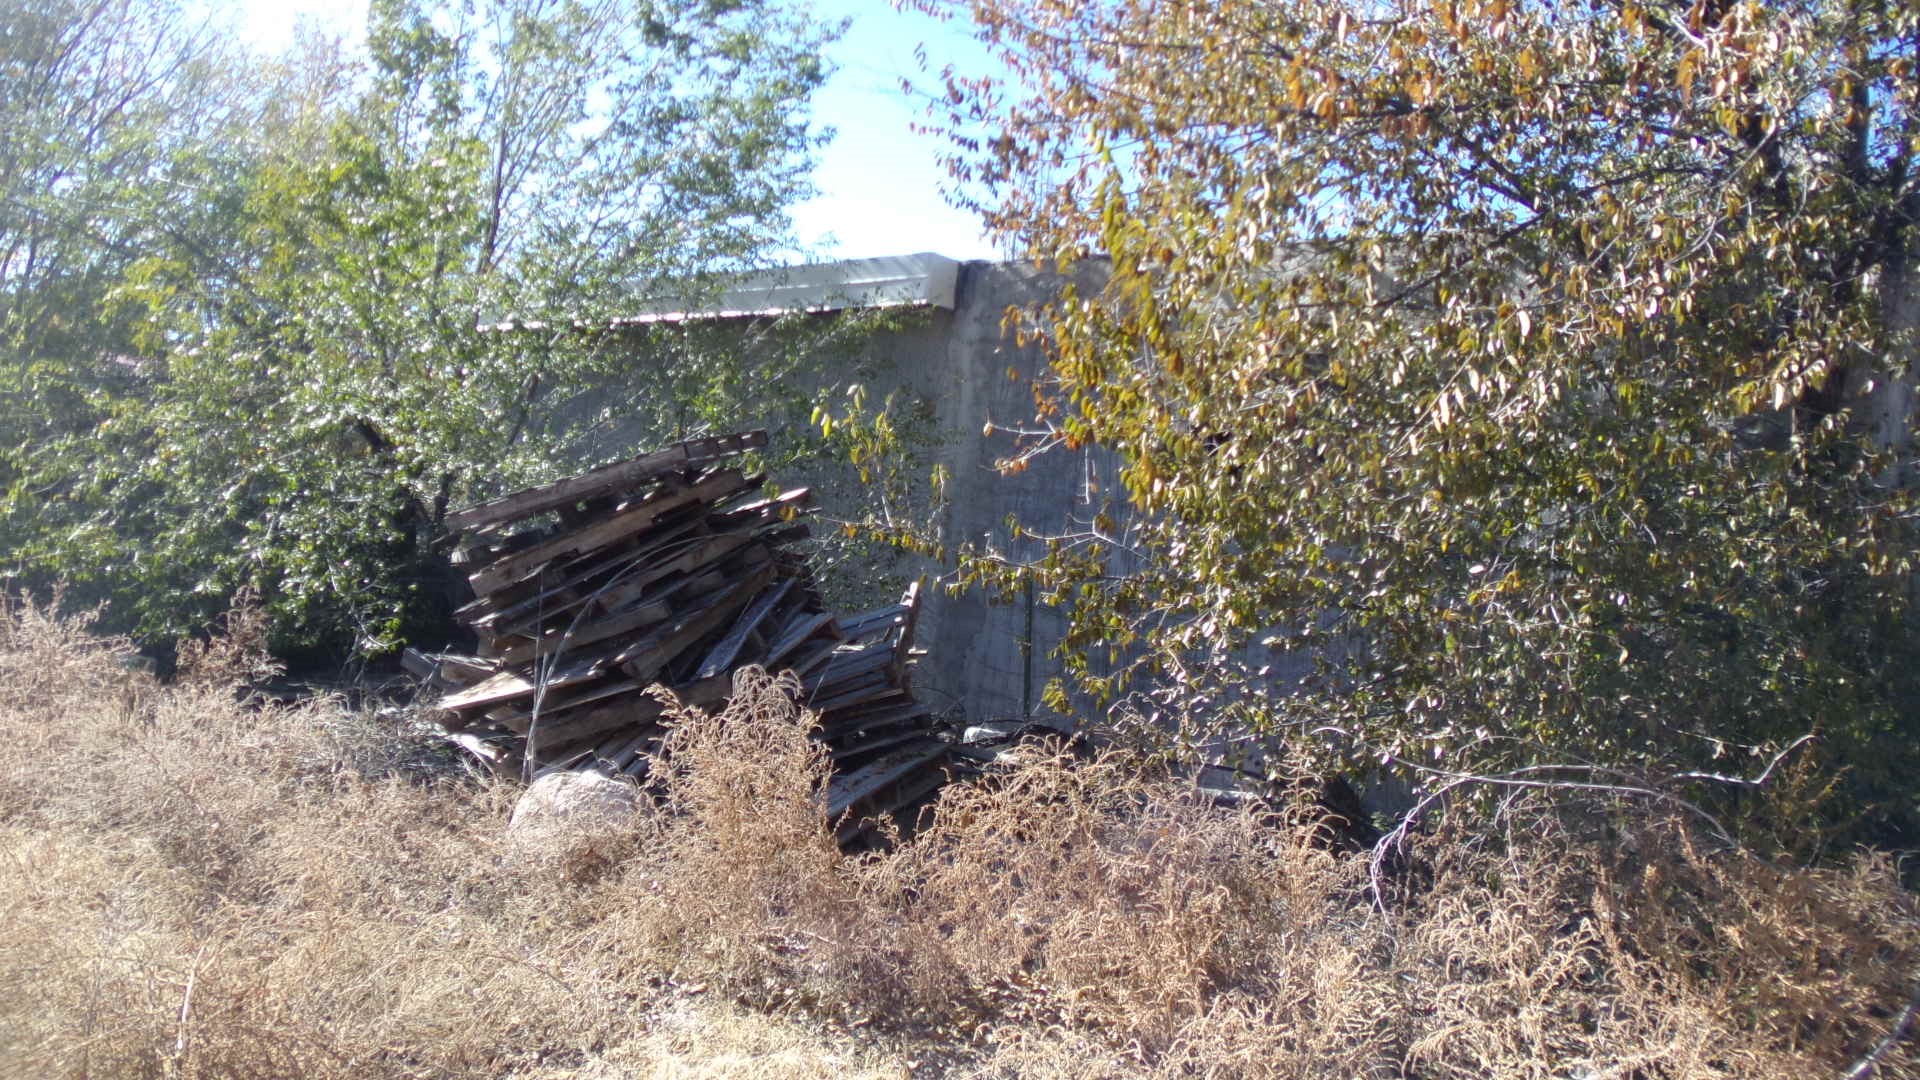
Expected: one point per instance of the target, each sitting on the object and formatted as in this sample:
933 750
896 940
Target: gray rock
573 799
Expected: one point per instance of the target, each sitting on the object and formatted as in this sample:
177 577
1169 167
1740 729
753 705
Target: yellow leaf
1689 69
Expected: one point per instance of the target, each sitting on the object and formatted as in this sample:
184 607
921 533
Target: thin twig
1755 781
1530 778
1870 1064
186 1005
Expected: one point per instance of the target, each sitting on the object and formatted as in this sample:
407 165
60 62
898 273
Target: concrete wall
990 658
995 656
954 370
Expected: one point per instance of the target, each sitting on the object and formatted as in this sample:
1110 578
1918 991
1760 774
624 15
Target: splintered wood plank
694 554
855 714
754 650
566 594
849 789
804 625
502 687
903 648
866 690
869 623
688 591
619 594
804 660
620 622
645 659
418 664
560 736
864 700
465 670
517 719
851 663
836 677
510 685
722 655
874 720
644 586
592 538
607 478
648 527
796 500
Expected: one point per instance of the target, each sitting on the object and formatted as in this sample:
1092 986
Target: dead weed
193 887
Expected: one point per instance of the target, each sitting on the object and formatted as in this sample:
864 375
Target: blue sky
879 182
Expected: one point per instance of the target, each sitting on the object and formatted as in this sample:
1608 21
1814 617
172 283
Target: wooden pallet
674 568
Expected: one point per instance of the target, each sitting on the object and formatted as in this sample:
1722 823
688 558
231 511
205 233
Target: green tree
415 259
125 130
1545 369
97 99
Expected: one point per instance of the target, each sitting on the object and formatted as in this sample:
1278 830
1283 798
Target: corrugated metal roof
921 280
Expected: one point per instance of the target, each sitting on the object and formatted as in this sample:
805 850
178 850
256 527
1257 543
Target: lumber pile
671 569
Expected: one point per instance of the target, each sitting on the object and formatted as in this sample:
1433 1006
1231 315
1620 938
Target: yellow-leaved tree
1542 368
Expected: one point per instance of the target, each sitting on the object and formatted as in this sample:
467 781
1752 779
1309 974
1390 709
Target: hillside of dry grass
193 886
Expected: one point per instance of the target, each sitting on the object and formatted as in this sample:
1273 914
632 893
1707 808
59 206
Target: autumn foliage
1540 369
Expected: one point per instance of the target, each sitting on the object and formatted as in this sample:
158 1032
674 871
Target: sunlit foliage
344 290
1542 368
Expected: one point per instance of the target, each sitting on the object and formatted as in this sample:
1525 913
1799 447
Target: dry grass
193 886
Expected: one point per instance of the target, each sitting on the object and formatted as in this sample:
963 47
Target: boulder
574 799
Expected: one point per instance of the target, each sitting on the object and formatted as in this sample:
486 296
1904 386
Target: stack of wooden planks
671 569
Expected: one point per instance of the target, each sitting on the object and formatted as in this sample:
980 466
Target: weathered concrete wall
989 658
954 371
1891 402
996 656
